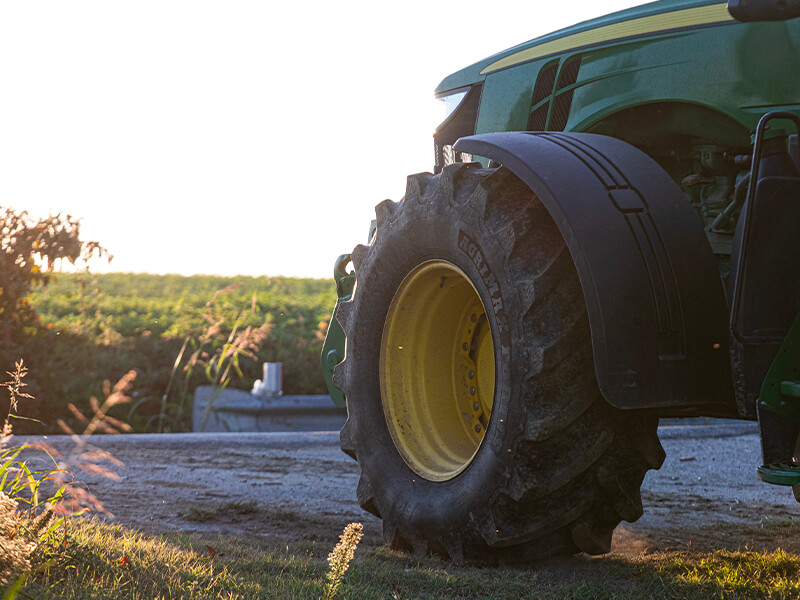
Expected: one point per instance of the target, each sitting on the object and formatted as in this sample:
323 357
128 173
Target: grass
100 560
735 574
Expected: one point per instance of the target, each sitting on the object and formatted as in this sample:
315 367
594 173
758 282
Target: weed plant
340 557
38 491
219 363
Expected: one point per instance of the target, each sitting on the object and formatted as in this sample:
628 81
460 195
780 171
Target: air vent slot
569 74
563 100
544 83
538 120
541 97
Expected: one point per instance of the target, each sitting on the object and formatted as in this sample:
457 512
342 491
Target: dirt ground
706 496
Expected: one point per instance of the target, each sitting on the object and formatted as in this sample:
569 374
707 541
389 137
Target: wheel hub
437 370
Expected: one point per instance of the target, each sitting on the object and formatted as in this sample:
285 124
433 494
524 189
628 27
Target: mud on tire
556 467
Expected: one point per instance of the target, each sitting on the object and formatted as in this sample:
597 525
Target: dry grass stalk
340 557
218 366
15 548
86 457
21 532
69 498
15 393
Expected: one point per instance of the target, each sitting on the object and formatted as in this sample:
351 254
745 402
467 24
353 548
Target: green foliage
96 328
29 251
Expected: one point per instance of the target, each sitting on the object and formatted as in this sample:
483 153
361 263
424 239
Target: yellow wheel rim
437 370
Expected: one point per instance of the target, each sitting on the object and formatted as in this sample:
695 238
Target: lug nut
472 390
475 406
471 373
477 428
465 346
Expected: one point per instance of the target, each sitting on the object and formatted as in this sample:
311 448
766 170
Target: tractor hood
648 19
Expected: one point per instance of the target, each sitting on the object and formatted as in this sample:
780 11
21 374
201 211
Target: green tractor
611 235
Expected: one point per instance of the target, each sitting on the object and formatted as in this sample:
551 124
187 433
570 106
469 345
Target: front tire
473 408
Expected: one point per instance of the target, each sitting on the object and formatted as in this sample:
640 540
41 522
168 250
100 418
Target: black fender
653 292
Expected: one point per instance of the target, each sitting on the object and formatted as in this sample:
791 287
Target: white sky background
237 137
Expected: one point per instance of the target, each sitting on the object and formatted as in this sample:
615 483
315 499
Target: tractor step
790 389
785 473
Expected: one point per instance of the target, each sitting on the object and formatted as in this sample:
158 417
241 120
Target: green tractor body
609 236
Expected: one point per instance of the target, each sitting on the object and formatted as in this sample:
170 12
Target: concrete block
241 411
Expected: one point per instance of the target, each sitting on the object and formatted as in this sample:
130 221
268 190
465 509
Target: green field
95 328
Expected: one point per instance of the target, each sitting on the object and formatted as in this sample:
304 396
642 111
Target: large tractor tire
473 408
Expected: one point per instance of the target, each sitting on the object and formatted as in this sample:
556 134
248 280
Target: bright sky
236 137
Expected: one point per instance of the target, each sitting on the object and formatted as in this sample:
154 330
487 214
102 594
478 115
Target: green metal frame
333 349
780 394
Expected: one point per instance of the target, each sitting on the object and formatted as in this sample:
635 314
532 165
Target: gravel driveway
706 494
